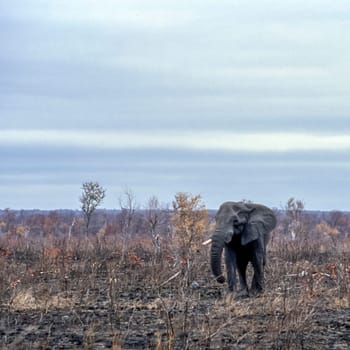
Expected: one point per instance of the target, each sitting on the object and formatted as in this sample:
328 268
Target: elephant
243 229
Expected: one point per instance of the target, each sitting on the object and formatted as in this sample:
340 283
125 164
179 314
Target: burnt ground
60 312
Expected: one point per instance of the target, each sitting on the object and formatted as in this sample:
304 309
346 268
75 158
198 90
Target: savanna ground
92 293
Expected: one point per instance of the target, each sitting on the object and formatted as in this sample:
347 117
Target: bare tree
294 220
92 196
156 218
340 221
9 217
128 207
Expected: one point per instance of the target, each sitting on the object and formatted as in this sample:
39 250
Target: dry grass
106 297
29 299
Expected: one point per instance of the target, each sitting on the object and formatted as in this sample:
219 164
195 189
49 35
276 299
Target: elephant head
243 222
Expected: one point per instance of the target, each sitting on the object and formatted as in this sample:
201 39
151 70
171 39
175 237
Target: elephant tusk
207 242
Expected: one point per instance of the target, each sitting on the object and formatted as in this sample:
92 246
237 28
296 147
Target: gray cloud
48 177
212 140
191 67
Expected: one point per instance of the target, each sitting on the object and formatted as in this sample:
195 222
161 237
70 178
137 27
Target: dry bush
104 297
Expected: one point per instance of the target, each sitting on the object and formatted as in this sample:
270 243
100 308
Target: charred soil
93 299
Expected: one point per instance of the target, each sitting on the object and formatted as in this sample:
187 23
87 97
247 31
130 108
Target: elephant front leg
258 282
242 267
230 261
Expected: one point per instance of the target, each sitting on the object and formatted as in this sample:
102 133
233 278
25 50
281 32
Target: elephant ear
251 232
259 224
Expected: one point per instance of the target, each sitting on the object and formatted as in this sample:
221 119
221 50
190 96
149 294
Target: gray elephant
243 229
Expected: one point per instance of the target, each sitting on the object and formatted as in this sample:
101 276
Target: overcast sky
228 99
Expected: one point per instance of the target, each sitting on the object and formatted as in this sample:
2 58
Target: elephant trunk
217 246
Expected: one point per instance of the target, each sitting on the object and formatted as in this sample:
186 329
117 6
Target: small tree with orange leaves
190 222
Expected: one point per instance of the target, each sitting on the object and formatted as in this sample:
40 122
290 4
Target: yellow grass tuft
27 300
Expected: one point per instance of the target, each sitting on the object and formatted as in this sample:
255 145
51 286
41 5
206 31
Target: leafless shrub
101 297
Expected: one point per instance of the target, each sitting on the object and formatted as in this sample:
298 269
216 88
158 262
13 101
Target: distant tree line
187 220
